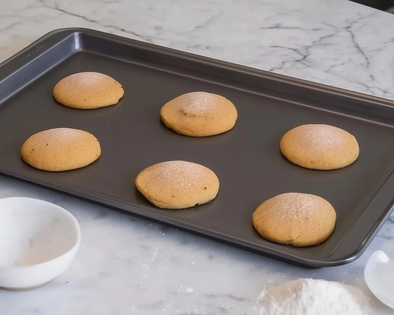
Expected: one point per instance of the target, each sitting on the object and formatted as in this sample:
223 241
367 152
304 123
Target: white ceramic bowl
38 241
379 276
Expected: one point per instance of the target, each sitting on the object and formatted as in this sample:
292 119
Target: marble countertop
128 265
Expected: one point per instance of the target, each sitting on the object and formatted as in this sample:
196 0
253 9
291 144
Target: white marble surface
132 266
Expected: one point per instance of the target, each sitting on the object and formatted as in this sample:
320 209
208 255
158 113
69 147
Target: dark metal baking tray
246 159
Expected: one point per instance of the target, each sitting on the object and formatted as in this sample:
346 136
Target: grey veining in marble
130 266
334 42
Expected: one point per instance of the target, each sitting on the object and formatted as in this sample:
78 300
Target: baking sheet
246 159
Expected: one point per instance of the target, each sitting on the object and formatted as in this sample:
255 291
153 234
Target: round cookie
177 184
60 149
199 114
295 218
88 90
320 147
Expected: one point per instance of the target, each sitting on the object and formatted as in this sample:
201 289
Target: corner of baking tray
37 46
67 31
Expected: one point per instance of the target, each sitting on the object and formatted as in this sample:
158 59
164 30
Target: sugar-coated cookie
199 114
177 184
320 147
295 218
88 90
60 149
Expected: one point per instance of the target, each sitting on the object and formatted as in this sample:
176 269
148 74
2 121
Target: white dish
38 241
379 276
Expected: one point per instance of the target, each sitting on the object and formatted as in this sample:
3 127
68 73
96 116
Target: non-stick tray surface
246 159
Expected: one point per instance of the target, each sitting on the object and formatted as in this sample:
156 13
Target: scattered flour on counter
313 297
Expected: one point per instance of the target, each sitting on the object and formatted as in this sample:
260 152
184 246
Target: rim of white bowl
73 219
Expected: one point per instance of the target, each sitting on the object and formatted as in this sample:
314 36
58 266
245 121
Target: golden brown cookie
60 149
295 218
320 147
177 184
199 114
88 90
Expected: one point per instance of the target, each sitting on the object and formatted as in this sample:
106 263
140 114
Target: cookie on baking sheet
60 149
177 184
295 218
88 90
199 114
320 147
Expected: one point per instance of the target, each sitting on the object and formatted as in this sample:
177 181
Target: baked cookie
199 114
60 149
295 218
320 147
177 184
88 90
